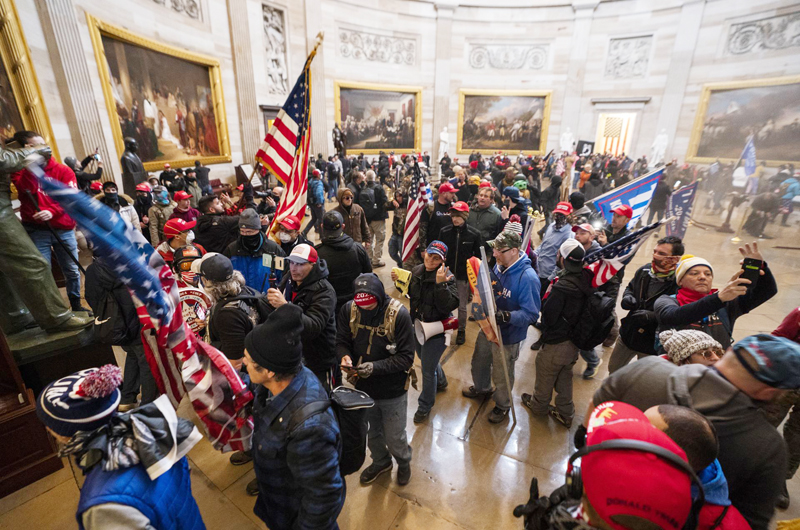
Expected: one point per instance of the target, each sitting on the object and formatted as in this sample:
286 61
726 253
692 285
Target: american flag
418 194
607 261
285 148
181 364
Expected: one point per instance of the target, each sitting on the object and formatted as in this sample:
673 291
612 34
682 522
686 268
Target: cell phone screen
751 270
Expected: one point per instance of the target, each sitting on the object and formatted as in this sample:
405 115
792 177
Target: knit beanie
276 344
249 219
687 262
681 344
514 224
83 401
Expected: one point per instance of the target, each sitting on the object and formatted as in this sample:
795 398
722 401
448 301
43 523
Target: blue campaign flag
749 157
636 194
679 208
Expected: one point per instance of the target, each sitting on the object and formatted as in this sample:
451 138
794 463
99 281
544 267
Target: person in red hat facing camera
289 234
177 233
616 230
432 222
184 209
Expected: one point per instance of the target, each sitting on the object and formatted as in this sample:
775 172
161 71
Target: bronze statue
133 172
27 287
339 140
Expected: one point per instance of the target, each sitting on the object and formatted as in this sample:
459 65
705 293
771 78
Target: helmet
72 162
183 257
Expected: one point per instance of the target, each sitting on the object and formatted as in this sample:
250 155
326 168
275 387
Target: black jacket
660 195
563 306
391 361
379 212
433 222
431 301
346 259
215 231
462 243
520 209
231 321
99 282
317 299
638 328
202 175
85 179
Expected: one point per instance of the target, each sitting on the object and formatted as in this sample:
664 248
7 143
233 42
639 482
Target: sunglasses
711 353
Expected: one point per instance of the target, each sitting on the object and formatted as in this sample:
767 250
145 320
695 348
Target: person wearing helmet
195 302
85 178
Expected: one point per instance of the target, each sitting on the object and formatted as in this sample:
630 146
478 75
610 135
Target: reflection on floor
459 482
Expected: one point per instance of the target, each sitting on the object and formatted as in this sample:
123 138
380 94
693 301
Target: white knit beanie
514 226
687 262
680 345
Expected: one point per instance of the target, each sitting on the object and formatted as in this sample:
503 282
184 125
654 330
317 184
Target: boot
75 305
73 323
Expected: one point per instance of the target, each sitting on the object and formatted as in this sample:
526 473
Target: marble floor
462 478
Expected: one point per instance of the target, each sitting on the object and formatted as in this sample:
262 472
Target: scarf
687 296
659 273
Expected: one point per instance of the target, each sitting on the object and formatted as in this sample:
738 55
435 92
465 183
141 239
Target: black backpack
350 408
366 199
252 302
595 321
112 324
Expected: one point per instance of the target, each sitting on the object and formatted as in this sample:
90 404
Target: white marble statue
444 143
659 148
567 141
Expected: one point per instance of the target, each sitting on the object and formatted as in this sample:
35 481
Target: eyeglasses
711 354
504 251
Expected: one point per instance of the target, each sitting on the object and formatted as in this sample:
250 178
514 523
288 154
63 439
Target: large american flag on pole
181 364
607 261
418 194
285 149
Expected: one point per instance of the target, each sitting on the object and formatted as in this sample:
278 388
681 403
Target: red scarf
687 296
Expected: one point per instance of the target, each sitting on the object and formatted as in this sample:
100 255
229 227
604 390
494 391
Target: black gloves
641 317
580 437
502 317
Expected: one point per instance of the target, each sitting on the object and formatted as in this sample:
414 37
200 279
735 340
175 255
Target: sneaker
240 458
497 415
442 388
461 338
527 400
566 422
591 371
536 346
378 265
252 487
403 474
783 499
472 393
373 472
420 416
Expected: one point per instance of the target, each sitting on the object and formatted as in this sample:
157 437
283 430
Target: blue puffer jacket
517 290
167 501
316 191
252 263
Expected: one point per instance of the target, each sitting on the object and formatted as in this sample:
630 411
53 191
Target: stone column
570 116
321 141
62 33
245 80
678 75
441 83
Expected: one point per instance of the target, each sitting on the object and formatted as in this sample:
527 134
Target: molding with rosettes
508 56
764 34
369 46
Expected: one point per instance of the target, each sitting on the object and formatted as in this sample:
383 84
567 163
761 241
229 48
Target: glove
502 317
629 300
640 317
364 370
580 437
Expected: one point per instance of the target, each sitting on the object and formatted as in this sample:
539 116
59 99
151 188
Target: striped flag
749 157
181 364
607 261
636 194
285 149
418 195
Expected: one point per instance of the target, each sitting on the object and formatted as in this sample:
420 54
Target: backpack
366 199
595 321
386 329
350 408
111 324
256 306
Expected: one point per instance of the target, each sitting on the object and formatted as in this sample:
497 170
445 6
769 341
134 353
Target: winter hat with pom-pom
514 224
83 401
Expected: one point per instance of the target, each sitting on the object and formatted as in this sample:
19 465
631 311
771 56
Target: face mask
252 242
163 198
112 198
560 220
189 237
190 278
284 237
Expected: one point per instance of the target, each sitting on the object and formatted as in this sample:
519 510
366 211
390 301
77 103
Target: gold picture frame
99 29
465 147
338 86
712 140
21 75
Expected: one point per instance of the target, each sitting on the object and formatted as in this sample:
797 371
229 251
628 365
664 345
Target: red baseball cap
303 254
290 223
144 186
460 206
447 187
182 195
166 165
621 483
585 226
563 207
485 184
624 210
96 185
176 226
474 164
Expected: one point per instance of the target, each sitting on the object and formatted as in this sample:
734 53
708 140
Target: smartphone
751 270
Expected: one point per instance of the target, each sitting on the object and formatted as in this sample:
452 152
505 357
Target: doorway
614 133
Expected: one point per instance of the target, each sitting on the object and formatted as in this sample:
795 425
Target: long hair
219 290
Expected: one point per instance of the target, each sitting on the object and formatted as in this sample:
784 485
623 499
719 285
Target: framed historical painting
728 113
377 118
21 102
168 99
496 120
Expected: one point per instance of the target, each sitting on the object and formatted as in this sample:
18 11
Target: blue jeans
45 241
333 187
395 249
591 357
207 190
387 431
432 374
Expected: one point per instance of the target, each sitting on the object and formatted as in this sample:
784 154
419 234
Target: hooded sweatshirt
346 261
715 488
255 264
751 452
517 290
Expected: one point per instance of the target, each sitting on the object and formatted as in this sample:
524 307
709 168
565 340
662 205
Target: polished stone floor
462 478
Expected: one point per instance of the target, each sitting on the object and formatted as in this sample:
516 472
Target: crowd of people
685 436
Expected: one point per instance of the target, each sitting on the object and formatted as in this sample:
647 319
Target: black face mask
112 198
252 242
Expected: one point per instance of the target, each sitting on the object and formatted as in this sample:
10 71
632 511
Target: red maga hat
290 223
447 187
176 226
460 206
182 195
624 210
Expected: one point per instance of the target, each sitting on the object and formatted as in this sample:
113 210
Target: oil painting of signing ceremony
399 264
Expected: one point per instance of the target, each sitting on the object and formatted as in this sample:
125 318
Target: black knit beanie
275 344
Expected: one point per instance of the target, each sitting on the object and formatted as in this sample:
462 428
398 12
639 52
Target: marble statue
444 142
659 148
567 141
